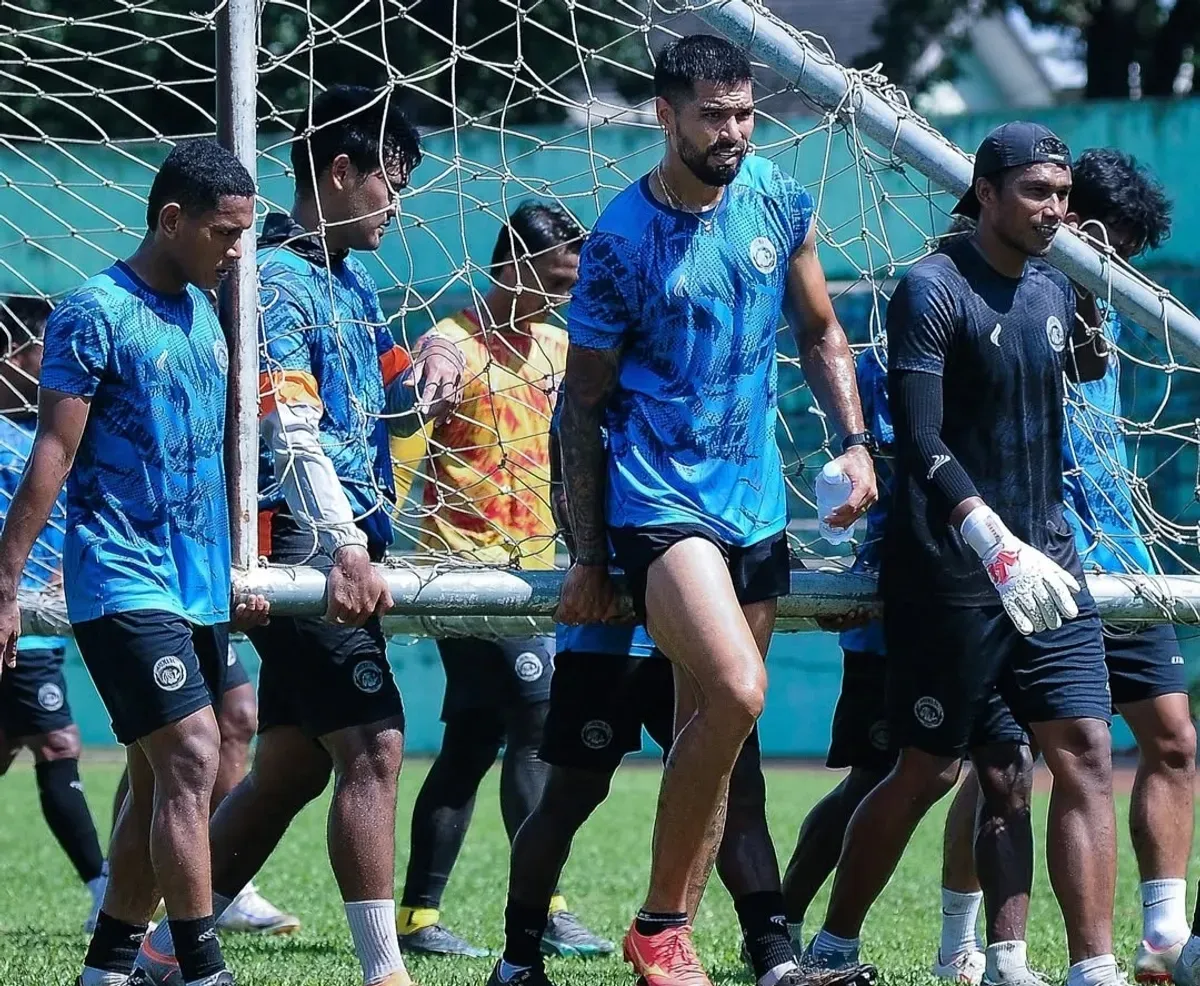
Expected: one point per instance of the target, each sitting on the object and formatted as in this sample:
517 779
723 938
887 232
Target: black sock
651 923
114 945
765 930
523 929
196 948
68 815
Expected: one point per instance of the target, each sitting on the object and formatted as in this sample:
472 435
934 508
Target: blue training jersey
871 370
147 520
44 567
695 310
326 341
1099 501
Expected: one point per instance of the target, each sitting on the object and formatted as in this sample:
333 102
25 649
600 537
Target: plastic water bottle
833 489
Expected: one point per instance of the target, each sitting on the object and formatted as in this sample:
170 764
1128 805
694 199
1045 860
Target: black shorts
33 695
236 674
599 704
945 663
759 571
861 731
494 676
153 668
318 676
1145 664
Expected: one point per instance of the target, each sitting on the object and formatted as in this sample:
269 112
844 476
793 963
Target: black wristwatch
863 438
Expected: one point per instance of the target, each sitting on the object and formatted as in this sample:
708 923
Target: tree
121 70
1156 36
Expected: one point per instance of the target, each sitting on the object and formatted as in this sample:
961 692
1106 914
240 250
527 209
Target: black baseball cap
1011 145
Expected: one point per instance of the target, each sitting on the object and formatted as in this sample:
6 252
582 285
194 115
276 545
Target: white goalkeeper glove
1036 592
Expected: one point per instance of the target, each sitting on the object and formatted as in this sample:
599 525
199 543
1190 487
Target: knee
1005 777
61 744
238 721
736 700
191 765
570 800
1173 749
370 756
747 785
925 779
1081 753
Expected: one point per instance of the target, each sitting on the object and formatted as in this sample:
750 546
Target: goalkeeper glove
1036 592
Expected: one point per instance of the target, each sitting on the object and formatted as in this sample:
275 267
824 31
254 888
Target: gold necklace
675 202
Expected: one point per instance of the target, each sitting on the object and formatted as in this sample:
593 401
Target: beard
699 161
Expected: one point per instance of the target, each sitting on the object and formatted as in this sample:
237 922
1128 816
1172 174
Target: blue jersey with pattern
1099 501
695 307
326 323
871 369
147 521
44 567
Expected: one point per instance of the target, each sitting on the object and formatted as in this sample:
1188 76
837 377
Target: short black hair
698 58
369 128
197 174
1109 186
533 228
22 320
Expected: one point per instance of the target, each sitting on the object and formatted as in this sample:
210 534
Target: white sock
373 928
1096 971
960 912
1005 960
772 976
826 945
508 970
97 977
1164 912
160 938
796 934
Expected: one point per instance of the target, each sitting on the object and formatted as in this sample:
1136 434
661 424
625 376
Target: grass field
42 906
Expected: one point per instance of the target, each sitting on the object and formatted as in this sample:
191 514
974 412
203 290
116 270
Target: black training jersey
999 345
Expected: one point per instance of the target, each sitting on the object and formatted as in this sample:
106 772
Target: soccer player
1114 199
237 721
34 711
981 583
132 406
487 500
672 328
332 383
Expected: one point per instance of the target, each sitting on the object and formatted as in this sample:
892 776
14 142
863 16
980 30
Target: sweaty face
206 246
546 282
369 205
711 132
1028 208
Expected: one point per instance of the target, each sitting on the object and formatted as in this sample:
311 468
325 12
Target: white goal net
517 100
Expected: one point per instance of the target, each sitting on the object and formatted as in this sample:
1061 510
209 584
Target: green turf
42 906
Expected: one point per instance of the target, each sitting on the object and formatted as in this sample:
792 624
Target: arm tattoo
590 380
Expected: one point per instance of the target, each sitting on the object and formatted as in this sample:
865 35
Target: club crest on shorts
368 677
763 255
929 712
529 666
50 697
596 734
879 735
1056 334
169 673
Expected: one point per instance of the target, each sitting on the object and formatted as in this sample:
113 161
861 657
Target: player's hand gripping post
356 588
1036 592
437 377
588 596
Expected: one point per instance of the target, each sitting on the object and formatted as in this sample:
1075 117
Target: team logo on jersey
929 712
529 666
596 734
1056 334
1177 659
995 336
763 255
50 697
221 355
677 284
879 736
169 673
938 461
368 677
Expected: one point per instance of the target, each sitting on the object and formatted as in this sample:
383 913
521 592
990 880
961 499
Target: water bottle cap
832 471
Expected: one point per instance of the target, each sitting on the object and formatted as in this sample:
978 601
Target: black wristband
863 438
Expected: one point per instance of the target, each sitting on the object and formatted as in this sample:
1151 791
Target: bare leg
958 838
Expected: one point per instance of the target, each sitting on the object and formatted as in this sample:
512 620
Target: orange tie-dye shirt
487 486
